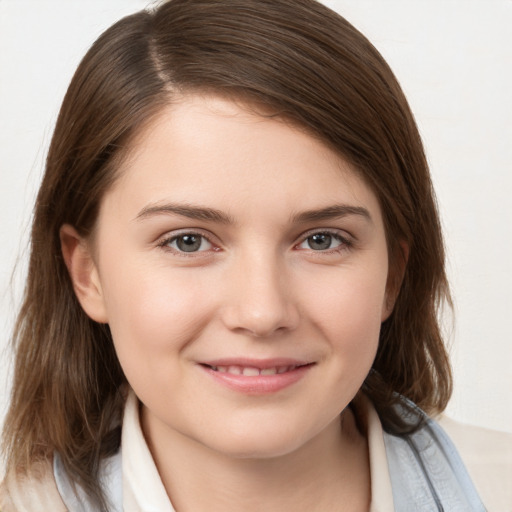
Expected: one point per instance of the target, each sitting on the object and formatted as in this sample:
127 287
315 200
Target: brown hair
301 61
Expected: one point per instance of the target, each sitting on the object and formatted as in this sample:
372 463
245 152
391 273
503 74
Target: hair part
295 58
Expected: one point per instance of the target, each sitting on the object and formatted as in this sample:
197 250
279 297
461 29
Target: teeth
250 371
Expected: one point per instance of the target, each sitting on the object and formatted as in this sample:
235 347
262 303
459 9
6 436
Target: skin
256 288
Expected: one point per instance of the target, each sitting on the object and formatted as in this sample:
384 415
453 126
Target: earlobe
83 273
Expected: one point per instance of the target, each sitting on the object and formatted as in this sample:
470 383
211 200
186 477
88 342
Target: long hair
306 64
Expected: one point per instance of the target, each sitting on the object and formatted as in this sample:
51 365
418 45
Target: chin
259 443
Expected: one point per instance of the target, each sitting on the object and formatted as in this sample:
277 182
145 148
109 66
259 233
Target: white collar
143 490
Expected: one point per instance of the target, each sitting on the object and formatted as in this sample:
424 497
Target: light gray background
453 59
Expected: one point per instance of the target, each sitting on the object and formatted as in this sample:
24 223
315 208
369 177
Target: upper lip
261 364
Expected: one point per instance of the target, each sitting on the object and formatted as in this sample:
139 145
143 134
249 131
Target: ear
83 273
395 278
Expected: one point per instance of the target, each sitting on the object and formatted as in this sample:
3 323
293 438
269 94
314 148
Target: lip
257 384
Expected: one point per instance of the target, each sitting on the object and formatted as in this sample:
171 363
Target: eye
323 241
188 242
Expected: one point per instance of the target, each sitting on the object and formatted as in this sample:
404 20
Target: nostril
261 322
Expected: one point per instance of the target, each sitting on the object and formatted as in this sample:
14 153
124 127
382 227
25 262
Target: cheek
152 314
349 313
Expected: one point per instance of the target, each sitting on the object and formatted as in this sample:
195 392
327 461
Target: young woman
234 280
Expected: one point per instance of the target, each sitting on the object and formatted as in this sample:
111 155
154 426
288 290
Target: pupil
320 241
188 243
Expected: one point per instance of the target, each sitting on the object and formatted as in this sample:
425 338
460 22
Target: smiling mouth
257 377
251 371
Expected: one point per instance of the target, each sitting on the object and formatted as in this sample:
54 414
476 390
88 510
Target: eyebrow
214 215
185 210
331 212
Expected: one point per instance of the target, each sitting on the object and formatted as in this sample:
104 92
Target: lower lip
258 384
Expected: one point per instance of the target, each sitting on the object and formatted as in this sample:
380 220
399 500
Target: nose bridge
260 302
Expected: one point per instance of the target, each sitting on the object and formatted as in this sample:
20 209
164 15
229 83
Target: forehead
210 149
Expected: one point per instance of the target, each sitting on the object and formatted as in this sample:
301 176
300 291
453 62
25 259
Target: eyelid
168 237
346 239
163 241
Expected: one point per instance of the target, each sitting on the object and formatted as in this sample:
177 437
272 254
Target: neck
330 471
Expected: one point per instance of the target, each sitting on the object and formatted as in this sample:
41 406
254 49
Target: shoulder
487 455
31 492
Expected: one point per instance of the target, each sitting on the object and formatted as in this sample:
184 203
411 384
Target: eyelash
345 243
165 243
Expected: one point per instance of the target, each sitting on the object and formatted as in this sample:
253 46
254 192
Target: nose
260 302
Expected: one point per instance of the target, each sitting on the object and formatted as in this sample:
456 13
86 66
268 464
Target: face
241 266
